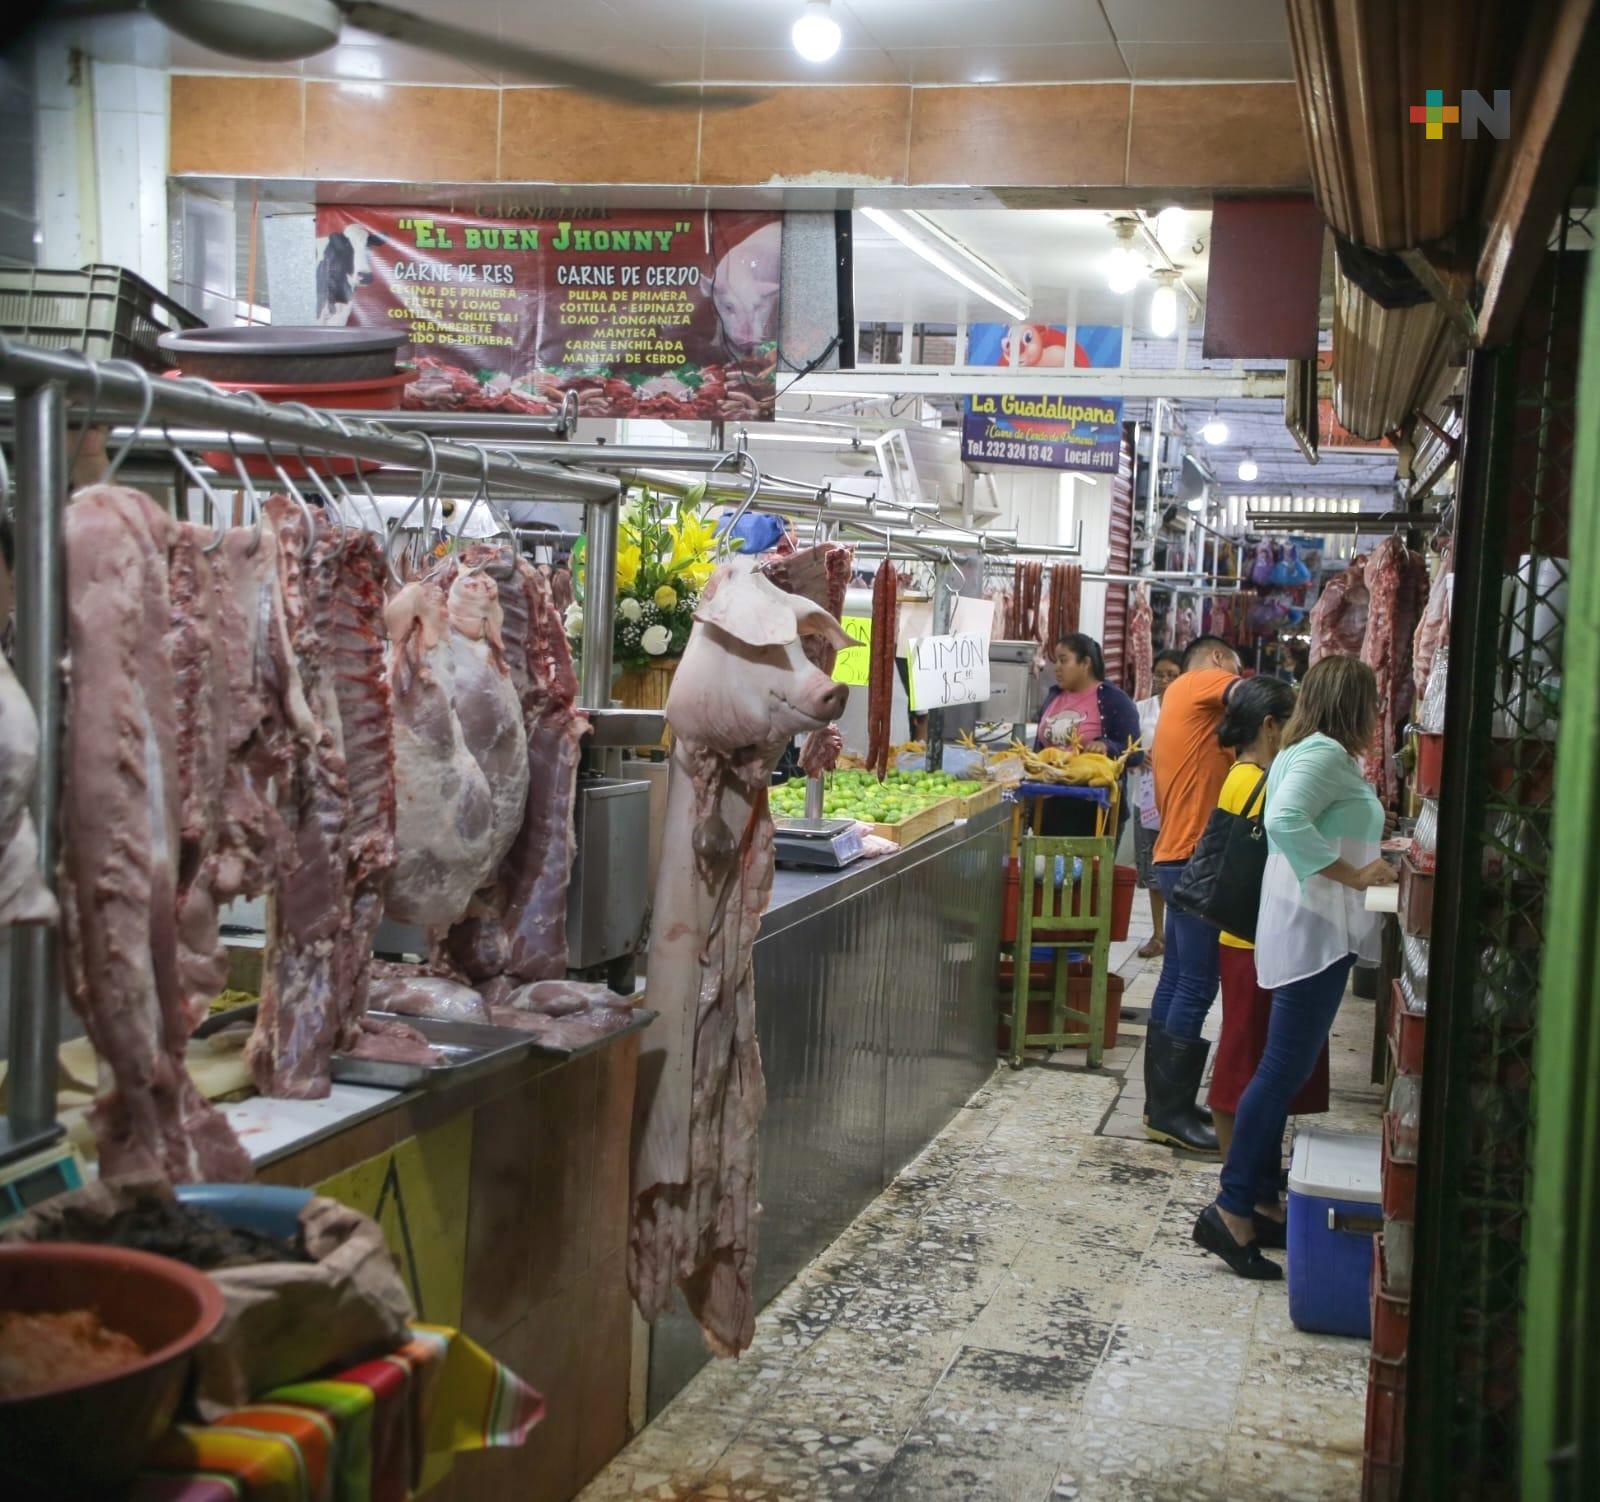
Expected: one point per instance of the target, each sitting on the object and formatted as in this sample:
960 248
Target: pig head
744 288
744 682
743 689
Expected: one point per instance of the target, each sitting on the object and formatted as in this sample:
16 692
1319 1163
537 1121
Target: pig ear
815 621
748 606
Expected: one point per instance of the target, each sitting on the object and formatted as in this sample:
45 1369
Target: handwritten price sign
948 670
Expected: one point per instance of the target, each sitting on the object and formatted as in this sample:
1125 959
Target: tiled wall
1187 135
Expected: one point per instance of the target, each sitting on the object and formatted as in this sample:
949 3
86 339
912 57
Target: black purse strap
1258 794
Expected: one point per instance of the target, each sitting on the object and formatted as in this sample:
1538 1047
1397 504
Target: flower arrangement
664 558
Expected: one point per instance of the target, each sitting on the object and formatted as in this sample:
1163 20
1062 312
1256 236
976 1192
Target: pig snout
825 699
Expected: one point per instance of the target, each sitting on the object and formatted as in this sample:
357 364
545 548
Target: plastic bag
1261 569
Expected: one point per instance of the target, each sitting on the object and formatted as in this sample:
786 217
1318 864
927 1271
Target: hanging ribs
122 844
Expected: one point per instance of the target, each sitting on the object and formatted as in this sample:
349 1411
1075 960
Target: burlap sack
284 1320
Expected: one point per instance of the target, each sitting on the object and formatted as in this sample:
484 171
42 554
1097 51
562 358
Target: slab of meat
121 831
338 805
24 894
743 689
413 991
1141 649
517 927
561 592
564 1015
881 669
1000 597
1396 581
486 700
445 813
391 1043
1433 630
1339 618
822 575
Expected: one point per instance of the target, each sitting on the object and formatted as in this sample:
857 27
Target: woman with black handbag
1252 728
1323 826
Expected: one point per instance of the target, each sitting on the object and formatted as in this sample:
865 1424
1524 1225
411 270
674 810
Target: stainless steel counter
875 1011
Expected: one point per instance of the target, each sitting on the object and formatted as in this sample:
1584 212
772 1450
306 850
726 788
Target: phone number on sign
999 448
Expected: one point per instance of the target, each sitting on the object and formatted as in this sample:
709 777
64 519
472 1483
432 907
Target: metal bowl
284 355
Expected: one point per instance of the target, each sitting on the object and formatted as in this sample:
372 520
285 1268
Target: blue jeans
1302 1016
1190 969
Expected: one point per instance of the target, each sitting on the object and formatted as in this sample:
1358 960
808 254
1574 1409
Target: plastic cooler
1335 1189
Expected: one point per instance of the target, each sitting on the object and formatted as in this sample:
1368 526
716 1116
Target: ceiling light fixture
1164 303
1170 222
816 33
923 237
1248 469
1215 430
1124 266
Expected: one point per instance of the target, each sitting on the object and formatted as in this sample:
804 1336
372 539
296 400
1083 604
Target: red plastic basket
1406 1031
1124 882
1399 1180
1386 1430
1391 1316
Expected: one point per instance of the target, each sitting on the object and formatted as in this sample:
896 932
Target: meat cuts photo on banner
646 313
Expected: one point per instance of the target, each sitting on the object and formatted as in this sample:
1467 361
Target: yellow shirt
1237 788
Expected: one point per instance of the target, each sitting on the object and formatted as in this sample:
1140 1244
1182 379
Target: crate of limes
903 809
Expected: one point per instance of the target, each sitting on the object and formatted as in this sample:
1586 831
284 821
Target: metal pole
599 606
1153 486
36 990
813 797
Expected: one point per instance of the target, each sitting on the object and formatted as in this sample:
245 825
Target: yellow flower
692 538
698 573
666 598
628 561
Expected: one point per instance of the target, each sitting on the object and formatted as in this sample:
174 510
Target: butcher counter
875 1013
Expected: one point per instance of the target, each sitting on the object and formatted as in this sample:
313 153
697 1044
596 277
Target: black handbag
1221 884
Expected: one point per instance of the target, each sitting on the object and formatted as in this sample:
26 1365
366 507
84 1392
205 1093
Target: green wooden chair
1073 916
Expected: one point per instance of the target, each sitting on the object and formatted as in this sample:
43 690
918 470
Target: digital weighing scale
31 1180
827 843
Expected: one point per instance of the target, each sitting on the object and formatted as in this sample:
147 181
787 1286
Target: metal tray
642 1018
626 727
469 1049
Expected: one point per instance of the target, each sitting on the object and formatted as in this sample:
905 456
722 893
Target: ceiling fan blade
479 50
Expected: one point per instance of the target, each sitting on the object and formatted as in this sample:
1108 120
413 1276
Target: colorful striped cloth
364 1435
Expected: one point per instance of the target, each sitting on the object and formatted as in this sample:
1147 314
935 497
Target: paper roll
1383 899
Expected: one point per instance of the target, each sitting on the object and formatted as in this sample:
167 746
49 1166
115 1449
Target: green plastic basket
105 311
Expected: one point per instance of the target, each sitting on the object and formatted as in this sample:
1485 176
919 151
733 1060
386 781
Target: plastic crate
1391 1315
105 311
1399 1179
1386 1430
1406 1031
1334 1194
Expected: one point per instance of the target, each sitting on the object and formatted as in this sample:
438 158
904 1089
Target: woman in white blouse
1324 827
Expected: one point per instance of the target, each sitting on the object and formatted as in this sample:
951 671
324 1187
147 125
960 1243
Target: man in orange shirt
1190 768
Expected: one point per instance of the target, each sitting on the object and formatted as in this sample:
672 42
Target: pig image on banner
643 313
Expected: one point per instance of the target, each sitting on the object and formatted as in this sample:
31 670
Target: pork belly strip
121 827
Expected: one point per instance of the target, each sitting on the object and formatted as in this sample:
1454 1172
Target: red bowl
94 1433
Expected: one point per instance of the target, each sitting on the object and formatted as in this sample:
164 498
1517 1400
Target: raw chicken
24 894
121 845
743 689
445 809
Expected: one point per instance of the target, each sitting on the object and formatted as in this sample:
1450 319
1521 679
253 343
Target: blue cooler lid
1337 1165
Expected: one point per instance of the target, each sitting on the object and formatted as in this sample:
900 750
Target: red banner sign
643 314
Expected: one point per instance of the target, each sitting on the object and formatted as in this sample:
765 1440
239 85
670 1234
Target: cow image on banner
642 313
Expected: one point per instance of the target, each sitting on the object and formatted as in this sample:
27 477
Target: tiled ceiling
747 41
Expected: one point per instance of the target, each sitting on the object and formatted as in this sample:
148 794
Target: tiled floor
1021 1315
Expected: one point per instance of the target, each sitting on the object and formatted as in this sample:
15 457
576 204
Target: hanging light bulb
1124 268
1170 222
1215 430
1164 304
816 33
1247 469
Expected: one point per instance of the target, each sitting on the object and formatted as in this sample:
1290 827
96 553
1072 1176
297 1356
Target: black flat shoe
1212 1233
1271 1235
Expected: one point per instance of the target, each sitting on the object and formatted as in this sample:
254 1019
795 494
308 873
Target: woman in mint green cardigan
1324 828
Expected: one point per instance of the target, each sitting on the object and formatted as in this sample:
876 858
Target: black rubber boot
1174 1071
1151 1029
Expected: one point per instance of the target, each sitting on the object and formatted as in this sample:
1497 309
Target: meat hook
187 465
330 501
361 479
398 526
241 469
569 398
483 488
301 503
147 400
92 369
747 465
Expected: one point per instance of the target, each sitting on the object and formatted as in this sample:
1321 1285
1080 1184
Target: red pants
1246 1011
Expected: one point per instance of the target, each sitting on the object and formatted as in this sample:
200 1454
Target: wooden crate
986 797
924 822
